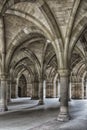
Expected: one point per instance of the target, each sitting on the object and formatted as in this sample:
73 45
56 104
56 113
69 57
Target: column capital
64 72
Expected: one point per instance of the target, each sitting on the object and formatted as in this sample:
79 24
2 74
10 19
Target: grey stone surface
43 117
36 41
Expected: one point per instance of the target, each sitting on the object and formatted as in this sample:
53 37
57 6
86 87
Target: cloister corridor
43 64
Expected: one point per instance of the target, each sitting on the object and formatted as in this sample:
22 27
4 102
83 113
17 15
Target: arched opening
22 87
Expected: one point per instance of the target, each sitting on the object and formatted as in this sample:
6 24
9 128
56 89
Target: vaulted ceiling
37 30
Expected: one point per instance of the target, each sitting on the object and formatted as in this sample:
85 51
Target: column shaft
3 87
9 91
64 95
59 88
13 89
70 93
16 91
3 95
35 90
86 88
41 97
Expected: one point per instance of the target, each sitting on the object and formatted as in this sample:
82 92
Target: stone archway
22 87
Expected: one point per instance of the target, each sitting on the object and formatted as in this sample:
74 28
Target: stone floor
25 114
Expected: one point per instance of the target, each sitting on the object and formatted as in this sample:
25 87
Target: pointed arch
57 38
77 32
43 6
17 42
69 29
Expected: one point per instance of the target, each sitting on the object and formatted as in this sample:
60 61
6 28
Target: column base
8 100
49 97
68 99
34 98
63 117
41 102
3 109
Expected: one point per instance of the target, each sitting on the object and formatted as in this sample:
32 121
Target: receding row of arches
43 53
22 88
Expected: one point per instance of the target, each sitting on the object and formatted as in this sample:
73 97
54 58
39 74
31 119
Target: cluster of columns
64 93
64 89
46 90
64 83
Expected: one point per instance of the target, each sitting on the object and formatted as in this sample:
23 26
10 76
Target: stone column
9 91
82 88
64 90
29 89
13 89
44 87
3 87
58 88
55 88
70 94
48 93
3 94
86 88
49 89
41 97
16 91
35 90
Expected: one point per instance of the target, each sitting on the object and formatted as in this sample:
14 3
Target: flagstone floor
26 114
